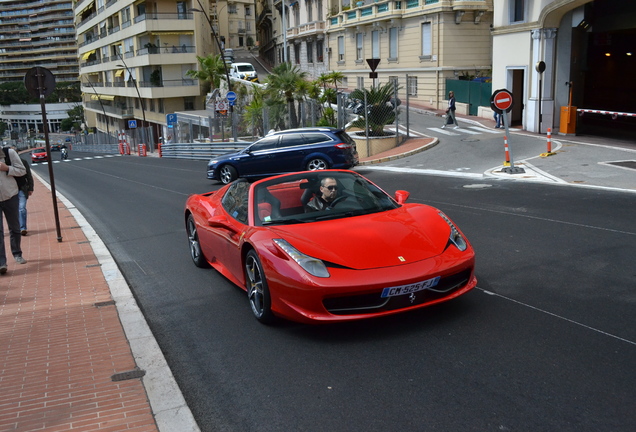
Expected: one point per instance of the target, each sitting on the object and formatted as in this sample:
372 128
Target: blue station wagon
304 149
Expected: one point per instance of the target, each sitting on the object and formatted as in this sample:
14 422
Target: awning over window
119 73
102 97
87 54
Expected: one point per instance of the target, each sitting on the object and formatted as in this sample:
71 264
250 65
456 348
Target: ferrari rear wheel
257 290
195 247
227 174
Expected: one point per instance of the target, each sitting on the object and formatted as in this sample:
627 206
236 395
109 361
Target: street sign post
171 120
231 97
501 102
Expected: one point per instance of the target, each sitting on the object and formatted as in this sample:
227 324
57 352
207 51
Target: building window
320 50
188 103
359 46
393 43
319 9
152 105
427 43
310 52
411 85
297 53
375 44
248 11
162 108
310 11
360 82
517 10
341 51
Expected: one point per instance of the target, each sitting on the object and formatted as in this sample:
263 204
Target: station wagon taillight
343 146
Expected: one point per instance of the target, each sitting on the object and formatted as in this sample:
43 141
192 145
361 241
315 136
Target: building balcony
305 30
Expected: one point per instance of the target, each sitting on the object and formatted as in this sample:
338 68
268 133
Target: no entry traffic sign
501 100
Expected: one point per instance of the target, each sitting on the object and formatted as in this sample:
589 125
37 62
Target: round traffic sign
39 81
501 101
230 96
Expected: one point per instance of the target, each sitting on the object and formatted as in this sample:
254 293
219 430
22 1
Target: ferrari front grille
374 303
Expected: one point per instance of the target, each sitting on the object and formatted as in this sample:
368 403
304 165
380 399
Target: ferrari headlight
455 237
311 265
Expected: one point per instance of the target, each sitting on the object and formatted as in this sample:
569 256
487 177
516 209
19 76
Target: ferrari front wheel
195 246
257 290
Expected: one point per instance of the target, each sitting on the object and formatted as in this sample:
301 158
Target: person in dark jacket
450 112
328 193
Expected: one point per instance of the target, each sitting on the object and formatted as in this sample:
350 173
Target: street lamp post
143 109
99 99
218 43
227 72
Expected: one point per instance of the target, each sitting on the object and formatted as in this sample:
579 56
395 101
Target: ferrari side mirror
401 196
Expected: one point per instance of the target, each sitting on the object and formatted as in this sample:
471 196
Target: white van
244 71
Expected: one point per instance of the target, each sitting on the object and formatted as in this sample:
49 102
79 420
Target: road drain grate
104 303
93 265
124 376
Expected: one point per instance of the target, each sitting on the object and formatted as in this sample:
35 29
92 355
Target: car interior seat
268 204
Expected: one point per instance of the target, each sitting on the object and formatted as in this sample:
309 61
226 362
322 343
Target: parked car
287 151
392 256
244 71
39 155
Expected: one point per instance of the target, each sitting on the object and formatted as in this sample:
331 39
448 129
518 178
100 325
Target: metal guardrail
196 151
201 151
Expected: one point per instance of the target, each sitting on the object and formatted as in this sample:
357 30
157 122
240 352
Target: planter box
376 144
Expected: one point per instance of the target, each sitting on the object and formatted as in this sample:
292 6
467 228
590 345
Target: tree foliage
288 82
15 93
211 70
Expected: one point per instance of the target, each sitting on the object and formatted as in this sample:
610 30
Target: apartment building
133 61
235 22
427 40
36 33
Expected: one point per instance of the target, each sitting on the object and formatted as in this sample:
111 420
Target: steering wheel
336 201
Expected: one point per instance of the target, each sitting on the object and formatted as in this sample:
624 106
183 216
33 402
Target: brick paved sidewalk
61 339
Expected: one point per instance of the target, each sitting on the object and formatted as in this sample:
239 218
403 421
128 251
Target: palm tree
288 81
334 77
380 110
211 70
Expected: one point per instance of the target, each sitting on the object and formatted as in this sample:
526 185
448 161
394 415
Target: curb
168 405
400 155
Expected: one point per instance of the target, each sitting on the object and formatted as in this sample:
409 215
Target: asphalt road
546 342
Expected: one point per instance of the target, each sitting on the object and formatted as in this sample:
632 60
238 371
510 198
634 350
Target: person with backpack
25 184
11 166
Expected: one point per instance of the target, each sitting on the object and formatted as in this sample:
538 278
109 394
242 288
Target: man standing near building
11 166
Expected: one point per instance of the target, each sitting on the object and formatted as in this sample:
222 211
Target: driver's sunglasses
331 187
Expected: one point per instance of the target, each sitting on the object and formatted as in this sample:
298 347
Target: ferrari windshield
315 196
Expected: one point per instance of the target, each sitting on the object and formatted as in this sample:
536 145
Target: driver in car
328 193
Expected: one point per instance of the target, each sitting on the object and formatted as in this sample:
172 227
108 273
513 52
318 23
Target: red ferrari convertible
327 246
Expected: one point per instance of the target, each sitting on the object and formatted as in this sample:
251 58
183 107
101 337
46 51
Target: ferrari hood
402 236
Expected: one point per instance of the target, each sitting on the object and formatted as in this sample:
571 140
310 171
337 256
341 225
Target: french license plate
411 288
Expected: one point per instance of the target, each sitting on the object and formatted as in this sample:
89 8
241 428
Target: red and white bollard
549 150
507 162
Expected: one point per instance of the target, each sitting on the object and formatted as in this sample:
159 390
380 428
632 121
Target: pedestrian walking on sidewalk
26 190
11 166
497 118
450 112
